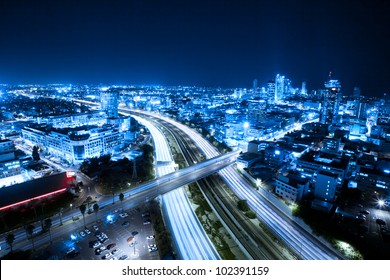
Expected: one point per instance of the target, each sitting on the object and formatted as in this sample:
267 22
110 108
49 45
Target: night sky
203 43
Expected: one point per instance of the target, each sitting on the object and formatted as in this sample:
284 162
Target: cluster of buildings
10 166
71 138
75 138
314 143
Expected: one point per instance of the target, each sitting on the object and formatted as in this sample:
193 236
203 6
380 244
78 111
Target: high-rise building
331 102
271 88
356 93
362 110
255 84
109 103
279 87
304 90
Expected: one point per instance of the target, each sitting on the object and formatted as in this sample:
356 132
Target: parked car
123 215
145 214
380 222
106 256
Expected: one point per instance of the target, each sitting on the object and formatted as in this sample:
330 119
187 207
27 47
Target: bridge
133 197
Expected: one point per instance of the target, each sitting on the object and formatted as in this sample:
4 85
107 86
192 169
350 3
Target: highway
190 240
134 197
303 243
252 240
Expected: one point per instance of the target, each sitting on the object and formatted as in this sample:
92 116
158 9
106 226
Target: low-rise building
9 165
246 160
325 186
311 163
75 144
291 187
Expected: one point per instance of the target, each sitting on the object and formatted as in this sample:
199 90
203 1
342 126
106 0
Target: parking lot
119 235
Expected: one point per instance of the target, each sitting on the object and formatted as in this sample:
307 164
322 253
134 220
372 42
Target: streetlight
381 202
71 207
61 209
112 191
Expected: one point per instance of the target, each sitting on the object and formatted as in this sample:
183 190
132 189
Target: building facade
109 101
331 102
77 144
291 187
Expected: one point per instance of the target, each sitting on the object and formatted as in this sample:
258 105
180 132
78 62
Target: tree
243 205
30 230
121 198
9 239
35 153
96 209
82 210
48 225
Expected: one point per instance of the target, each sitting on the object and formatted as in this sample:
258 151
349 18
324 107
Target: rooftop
32 189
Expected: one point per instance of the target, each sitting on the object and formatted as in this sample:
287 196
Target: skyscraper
109 103
255 84
356 93
271 89
331 101
279 87
303 90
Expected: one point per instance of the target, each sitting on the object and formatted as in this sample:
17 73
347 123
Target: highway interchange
301 242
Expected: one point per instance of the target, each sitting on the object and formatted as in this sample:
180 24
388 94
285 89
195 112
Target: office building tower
255 84
331 102
362 111
356 93
279 87
271 88
109 103
304 90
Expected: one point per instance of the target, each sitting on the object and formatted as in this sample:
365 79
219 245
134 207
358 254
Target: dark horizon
193 43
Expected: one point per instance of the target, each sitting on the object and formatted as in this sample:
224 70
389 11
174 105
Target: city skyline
223 43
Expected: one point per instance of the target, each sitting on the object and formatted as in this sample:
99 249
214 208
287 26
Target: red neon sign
31 199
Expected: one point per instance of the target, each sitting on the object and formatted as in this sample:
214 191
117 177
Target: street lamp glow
381 202
110 218
246 125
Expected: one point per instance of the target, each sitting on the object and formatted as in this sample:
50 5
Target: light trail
190 240
303 244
